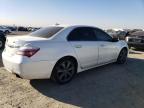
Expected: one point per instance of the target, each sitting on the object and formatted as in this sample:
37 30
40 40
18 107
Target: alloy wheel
65 71
122 57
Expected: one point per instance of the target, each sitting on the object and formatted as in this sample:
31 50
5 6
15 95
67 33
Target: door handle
78 46
102 45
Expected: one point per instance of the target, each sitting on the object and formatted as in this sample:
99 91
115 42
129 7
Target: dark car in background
12 28
2 39
136 39
5 29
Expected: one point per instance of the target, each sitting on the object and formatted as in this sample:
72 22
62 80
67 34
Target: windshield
46 32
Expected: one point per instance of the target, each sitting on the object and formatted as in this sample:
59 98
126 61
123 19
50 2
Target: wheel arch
62 58
122 49
125 48
69 57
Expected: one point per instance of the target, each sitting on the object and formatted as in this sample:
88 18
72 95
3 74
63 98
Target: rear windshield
46 32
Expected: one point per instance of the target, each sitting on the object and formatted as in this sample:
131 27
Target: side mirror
115 40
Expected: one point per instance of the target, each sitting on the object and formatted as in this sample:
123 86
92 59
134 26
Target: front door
83 42
107 49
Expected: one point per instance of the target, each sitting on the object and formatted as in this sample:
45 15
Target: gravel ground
110 86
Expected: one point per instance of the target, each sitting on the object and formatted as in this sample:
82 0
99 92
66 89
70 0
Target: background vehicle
5 30
60 52
22 29
117 33
136 39
12 28
2 39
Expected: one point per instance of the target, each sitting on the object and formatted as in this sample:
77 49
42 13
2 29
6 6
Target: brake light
28 52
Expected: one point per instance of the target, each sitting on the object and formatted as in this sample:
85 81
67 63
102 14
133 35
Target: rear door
107 48
83 40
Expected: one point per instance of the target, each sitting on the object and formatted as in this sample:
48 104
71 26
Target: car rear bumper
28 70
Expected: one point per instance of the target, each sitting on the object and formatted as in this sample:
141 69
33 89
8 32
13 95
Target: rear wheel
122 56
64 71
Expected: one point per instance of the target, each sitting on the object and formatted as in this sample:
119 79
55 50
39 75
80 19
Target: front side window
46 32
102 36
82 34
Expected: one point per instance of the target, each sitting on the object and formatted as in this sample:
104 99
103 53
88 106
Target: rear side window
102 36
82 34
46 32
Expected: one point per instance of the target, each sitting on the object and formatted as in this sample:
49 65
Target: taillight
28 52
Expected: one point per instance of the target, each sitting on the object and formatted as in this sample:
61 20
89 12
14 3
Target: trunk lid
14 43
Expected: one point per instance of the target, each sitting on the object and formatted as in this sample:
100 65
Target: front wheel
64 71
122 58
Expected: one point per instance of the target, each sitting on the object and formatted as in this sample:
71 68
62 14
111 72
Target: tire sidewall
119 61
54 75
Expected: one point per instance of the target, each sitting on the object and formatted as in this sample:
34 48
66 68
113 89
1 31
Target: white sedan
61 52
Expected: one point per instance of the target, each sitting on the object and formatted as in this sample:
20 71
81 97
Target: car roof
62 35
76 26
71 26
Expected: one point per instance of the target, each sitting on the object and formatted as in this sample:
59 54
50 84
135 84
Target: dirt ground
110 86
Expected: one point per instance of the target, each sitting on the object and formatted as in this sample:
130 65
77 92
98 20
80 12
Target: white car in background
5 30
61 52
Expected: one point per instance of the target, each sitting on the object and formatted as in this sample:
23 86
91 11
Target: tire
122 58
2 43
64 71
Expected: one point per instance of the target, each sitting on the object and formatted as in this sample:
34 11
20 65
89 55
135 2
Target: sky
100 13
